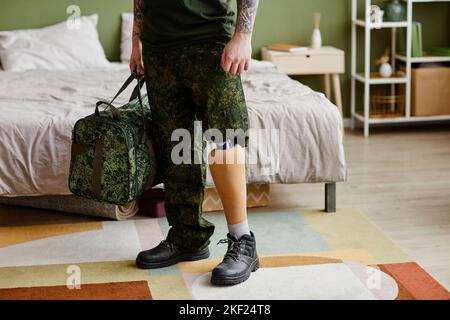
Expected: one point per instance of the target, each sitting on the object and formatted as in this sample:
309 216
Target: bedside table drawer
307 63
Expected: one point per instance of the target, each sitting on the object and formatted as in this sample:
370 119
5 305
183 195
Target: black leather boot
166 254
239 262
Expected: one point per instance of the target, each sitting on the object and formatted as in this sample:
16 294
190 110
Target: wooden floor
399 178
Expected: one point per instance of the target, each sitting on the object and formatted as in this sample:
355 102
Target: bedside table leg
326 79
337 92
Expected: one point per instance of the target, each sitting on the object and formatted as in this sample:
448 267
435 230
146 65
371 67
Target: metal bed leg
330 197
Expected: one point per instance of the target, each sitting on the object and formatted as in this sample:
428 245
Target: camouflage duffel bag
112 157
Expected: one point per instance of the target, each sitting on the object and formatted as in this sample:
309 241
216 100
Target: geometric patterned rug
303 254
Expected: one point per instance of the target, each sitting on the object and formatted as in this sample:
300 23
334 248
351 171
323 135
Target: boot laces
167 243
234 248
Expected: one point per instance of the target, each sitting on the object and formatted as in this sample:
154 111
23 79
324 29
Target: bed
39 108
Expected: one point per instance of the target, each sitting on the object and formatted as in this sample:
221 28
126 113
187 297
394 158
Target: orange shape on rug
14 235
134 290
416 280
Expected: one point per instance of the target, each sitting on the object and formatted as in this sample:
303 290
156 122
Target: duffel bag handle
136 92
115 112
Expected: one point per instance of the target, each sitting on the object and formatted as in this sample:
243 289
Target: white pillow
127 37
55 47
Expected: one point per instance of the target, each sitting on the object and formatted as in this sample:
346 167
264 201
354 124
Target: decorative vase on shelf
316 39
395 11
386 70
385 67
376 16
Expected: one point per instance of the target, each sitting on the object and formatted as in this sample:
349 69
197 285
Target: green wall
293 21
278 21
15 14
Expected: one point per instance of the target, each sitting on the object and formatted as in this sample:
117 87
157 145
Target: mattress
39 109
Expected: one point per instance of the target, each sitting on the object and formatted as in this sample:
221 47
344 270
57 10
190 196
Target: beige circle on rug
328 281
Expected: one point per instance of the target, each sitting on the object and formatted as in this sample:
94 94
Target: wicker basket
384 104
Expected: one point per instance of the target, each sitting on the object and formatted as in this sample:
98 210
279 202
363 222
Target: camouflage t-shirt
173 23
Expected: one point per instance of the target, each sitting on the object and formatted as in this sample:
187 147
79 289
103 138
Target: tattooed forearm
138 16
246 15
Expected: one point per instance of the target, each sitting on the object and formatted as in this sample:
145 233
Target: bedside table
327 61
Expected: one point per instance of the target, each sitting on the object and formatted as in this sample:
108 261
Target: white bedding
39 109
63 46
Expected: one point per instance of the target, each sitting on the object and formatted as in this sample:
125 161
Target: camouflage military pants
186 85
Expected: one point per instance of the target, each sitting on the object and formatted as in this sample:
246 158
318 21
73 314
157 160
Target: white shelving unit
366 77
